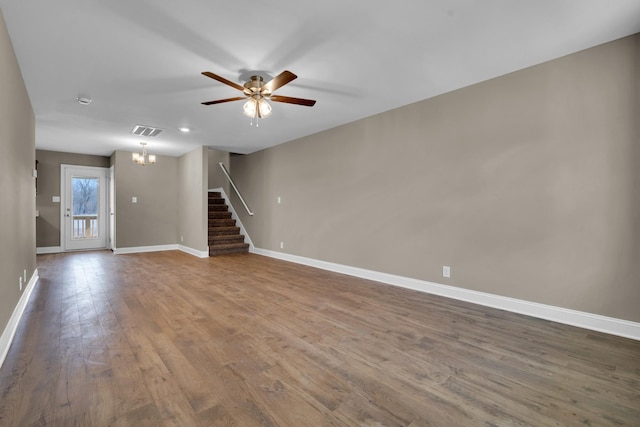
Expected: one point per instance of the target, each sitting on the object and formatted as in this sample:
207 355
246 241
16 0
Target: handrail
235 188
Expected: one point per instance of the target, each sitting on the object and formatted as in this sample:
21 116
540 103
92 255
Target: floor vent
146 131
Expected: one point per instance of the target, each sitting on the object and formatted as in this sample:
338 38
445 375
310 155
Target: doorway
84 207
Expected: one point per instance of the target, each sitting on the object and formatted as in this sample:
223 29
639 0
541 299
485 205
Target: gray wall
17 186
152 221
48 223
192 199
526 185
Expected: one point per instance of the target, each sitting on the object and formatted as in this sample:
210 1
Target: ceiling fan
258 92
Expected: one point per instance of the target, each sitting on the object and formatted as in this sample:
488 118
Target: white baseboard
140 249
595 322
10 330
161 248
49 250
194 252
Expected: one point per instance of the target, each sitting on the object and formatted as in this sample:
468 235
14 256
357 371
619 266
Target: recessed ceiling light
83 100
185 130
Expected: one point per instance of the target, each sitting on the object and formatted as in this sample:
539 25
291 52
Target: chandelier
143 159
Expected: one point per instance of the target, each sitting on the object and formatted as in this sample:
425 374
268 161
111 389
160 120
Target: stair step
223 231
232 248
223 234
219 215
225 239
217 201
218 208
215 222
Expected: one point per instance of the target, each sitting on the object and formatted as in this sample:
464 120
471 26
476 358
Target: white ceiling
140 61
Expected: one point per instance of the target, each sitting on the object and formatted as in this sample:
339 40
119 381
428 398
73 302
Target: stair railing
226 173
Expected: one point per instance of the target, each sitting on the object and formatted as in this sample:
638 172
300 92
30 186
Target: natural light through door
85 195
84 204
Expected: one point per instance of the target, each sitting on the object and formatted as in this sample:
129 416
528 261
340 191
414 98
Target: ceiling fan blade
223 80
290 100
220 101
280 80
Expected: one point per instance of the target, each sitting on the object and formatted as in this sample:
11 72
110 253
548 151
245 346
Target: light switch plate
55 199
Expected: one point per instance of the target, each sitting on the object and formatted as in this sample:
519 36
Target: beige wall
526 185
187 172
192 199
152 221
48 223
17 186
216 176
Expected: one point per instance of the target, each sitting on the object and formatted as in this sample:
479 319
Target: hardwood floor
242 340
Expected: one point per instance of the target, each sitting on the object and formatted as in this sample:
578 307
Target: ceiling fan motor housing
255 86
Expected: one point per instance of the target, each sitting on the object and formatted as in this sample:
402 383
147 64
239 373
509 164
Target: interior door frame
111 196
104 204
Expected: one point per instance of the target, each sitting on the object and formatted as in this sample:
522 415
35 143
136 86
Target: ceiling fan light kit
259 93
260 107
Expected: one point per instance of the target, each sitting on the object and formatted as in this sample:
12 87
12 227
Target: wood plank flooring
242 340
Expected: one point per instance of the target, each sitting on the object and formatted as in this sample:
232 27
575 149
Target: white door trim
111 223
103 212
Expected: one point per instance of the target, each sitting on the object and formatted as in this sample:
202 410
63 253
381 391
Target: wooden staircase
224 235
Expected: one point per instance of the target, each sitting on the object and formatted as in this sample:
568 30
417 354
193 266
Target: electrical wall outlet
20 283
446 271
281 245
25 276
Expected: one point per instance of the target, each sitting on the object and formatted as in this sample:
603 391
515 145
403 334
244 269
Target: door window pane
85 207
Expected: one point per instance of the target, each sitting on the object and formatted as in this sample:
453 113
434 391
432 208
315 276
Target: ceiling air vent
149 131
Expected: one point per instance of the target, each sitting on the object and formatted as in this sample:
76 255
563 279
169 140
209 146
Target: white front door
84 207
